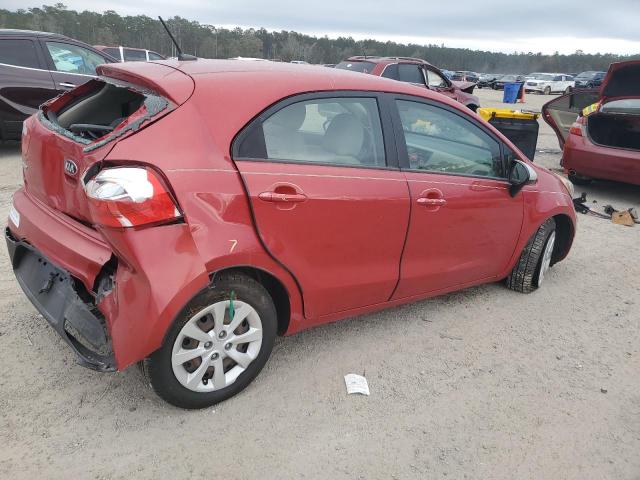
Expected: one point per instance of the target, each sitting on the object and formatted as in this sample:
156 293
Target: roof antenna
181 56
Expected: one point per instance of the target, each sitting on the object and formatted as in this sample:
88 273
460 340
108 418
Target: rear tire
535 260
194 384
568 90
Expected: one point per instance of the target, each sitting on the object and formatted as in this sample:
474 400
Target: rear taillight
578 127
129 197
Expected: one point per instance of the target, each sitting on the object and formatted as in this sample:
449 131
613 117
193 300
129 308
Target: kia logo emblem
70 167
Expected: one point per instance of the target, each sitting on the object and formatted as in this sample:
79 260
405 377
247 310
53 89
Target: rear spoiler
166 80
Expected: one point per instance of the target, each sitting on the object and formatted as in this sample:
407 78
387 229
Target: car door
328 200
71 64
560 113
568 83
25 83
464 223
557 84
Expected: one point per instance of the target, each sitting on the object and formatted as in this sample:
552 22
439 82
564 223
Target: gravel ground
483 383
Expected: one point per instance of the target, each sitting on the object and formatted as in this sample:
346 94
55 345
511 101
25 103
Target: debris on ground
623 218
450 337
356 384
627 217
603 390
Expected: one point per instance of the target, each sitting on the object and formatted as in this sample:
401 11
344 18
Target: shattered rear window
101 111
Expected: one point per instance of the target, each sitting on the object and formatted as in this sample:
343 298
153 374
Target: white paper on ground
356 384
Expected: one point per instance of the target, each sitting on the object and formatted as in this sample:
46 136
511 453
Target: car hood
622 80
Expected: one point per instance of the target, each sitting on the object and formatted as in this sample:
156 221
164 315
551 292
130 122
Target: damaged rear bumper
58 297
130 283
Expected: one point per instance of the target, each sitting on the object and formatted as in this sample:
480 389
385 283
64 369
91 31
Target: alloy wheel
545 262
216 345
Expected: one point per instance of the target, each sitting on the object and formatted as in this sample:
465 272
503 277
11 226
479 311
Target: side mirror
521 174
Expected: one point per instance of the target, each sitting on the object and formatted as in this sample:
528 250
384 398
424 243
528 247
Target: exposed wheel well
274 287
564 237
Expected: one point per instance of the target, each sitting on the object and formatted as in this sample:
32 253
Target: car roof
386 60
30 33
237 91
269 79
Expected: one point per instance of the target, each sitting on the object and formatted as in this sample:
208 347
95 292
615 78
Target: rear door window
341 131
410 73
131 55
19 53
73 58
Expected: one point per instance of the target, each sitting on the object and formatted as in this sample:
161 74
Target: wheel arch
565 232
273 285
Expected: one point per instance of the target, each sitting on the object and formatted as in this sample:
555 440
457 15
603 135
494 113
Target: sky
605 26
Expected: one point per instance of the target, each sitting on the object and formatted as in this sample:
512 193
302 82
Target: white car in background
548 83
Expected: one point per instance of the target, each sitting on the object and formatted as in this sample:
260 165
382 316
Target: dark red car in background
599 131
417 71
182 214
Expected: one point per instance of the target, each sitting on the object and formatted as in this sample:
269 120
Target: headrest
344 136
291 117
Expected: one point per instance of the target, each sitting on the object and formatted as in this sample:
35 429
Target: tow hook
48 283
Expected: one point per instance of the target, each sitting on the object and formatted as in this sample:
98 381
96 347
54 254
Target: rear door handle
432 202
282 197
67 85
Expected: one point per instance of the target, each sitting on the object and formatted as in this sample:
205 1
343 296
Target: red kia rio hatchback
599 130
183 214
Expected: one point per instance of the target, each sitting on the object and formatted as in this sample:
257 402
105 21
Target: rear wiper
90 129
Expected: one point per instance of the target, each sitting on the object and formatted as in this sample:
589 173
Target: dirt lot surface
484 383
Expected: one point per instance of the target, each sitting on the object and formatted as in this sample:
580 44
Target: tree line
209 41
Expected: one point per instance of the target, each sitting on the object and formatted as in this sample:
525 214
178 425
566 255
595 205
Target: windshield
508 78
362 67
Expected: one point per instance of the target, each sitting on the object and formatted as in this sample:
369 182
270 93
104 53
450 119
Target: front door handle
282 197
432 202
67 85
431 199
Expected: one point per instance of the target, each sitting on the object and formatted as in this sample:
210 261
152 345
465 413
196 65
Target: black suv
589 79
36 66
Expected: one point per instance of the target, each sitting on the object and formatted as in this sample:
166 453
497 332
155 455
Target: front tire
535 260
547 91
217 345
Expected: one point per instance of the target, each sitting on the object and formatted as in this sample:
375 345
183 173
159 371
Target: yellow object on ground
489 113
